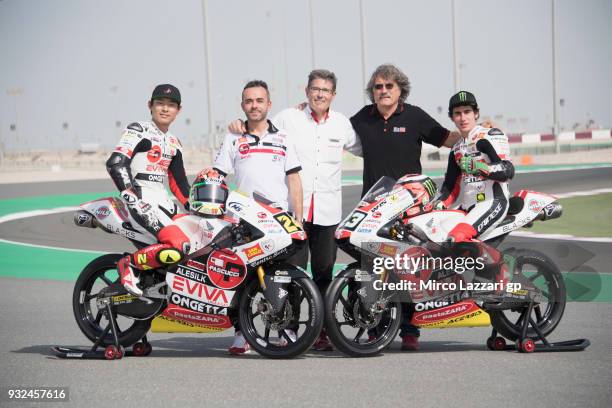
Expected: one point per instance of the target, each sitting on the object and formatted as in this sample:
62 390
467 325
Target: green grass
587 216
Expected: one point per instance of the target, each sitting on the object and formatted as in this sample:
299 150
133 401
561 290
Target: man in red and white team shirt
264 160
145 156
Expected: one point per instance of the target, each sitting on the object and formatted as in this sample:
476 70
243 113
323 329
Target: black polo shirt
392 147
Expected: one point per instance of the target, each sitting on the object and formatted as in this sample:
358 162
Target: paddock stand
526 345
111 352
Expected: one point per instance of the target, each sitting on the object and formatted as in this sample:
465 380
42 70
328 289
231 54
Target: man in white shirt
264 160
320 135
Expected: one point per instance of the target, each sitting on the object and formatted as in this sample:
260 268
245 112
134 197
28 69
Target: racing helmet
422 188
208 194
462 98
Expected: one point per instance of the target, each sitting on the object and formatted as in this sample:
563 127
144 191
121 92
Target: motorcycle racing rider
145 155
478 171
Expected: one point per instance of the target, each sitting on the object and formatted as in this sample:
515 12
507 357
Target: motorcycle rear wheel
257 333
98 274
544 273
346 334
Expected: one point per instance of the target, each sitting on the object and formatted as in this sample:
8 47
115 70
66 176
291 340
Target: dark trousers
322 249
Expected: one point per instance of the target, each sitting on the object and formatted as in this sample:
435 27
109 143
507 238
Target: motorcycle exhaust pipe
84 219
550 212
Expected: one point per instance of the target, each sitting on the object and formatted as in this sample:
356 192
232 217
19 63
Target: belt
157 178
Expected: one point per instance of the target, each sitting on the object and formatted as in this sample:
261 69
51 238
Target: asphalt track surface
453 368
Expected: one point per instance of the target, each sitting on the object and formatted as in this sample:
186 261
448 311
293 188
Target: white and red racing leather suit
140 163
483 196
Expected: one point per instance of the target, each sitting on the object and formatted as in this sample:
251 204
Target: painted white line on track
584 193
6 241
567 237
34 213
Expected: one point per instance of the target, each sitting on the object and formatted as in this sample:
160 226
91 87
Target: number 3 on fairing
354 221
287 223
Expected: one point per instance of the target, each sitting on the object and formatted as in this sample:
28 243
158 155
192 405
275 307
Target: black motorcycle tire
83 316
554 311
346 345
308 335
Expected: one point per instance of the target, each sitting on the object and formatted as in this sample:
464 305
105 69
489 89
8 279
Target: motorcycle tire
506 322
82 305
353 345
258 335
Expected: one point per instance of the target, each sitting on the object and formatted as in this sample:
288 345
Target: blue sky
91 64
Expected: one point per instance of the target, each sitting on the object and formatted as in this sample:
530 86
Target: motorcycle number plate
282 279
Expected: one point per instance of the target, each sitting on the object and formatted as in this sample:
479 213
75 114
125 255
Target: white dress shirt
319 146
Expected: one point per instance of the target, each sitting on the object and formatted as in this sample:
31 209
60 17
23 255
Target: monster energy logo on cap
462 98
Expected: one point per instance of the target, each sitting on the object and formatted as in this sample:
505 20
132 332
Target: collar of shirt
271 129
398 110
313 115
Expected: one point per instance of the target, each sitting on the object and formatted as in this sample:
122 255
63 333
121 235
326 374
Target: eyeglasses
388 86
324 91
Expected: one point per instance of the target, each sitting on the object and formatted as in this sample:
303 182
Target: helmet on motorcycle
208 194
422 188
462 98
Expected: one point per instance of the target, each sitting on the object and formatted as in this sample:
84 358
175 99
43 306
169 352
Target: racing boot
239 345
129 280
410 343
323 343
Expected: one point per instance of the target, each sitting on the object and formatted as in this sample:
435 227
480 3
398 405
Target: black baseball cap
167 91
462 98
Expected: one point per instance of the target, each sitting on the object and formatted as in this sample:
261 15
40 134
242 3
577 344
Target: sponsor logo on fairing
226 270
102 212
534 206
201 292
451 311
253 251
268 245
196 305
197 318
236 207
267 258
120 231
197 275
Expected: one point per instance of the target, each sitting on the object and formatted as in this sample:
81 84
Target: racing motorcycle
394 218
234 268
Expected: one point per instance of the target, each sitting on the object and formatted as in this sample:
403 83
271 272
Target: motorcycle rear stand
110 352
526 345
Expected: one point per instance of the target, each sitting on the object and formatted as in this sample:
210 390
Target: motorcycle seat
515 205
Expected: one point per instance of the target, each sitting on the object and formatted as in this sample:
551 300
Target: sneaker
410 343
283 341
239 346
128 279
323 343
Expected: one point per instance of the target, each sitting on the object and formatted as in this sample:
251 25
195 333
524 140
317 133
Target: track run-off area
42 252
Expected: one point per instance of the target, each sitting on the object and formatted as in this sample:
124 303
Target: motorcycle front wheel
271 336
354 331
95 277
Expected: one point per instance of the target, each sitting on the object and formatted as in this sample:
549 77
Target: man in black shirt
392 133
